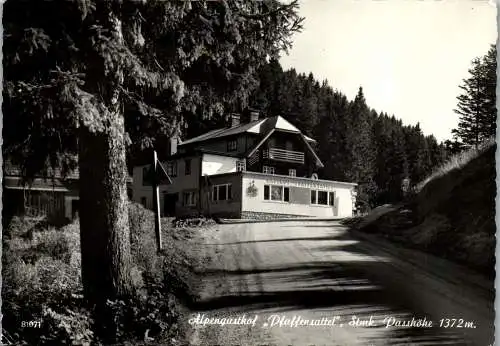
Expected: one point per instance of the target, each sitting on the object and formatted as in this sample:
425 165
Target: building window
146 176
187 167
322 197
292 172
286 194
222 192
172 168
189 198
268 170
331 198
276 193
313 196
241 166
144 202
232 145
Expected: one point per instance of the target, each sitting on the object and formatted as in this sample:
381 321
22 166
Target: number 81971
31 324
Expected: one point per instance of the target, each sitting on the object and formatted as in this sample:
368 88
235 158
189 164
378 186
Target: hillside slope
452 216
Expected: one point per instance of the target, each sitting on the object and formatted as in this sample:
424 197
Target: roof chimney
172 145
235 119
254 115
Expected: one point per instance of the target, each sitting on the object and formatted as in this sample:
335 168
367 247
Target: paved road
317 272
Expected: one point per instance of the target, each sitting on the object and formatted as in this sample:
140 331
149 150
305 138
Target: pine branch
260 16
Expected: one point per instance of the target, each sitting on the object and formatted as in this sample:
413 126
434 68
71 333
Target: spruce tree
332 136
416 153
361 150
397 164
477 104
489 79
383 143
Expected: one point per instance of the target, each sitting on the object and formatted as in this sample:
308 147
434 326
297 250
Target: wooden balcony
283 155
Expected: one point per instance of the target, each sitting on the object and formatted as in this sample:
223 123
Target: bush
67 327
53 243
29 288
150 317
430 232
138 319
42 273
43 263
479 250
192 222
143 242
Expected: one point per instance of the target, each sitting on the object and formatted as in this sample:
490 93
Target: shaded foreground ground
319 269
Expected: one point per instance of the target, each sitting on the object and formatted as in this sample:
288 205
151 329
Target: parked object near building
260 168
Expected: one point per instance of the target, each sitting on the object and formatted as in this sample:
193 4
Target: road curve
304 283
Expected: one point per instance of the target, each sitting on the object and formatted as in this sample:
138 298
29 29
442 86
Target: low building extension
54 196
262 168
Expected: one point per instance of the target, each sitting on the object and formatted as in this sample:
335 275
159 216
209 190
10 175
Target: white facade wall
342 207
216 165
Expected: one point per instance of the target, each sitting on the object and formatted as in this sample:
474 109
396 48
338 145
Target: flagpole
156 201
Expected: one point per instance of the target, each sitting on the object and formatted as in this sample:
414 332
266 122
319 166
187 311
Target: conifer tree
416 153
397 164
332 136
383 142
477 104
361 150
83 79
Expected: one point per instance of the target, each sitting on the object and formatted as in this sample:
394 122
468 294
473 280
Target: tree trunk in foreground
104 224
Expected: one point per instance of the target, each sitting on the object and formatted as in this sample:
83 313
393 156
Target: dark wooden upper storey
266 145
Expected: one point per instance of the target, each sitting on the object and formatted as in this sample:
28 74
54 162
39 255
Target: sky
410 56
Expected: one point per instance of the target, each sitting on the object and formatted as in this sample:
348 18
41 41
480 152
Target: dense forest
362 145
355 142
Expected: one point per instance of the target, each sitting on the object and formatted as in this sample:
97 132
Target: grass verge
42 291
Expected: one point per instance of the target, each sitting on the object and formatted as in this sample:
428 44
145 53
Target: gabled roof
262 127
251 127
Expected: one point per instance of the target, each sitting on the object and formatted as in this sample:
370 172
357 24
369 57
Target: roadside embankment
451 216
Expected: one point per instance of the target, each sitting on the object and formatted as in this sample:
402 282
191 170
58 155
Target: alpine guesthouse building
261 168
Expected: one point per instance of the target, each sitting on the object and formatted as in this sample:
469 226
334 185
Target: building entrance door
170 199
